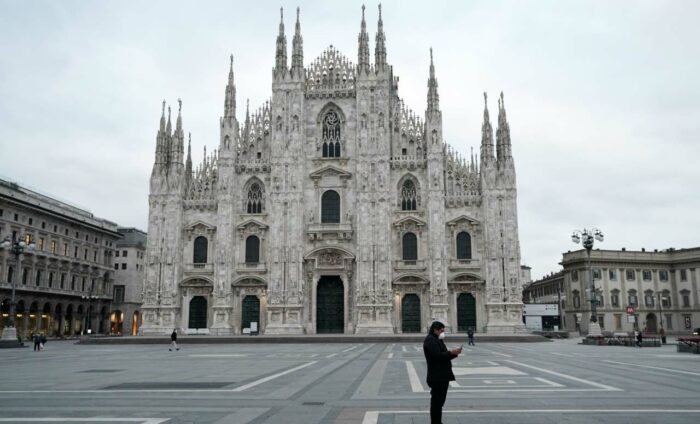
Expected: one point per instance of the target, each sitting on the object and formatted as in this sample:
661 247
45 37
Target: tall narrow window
330 207
255 199
252 250
200 250
410 247
408 196
331 135
464 245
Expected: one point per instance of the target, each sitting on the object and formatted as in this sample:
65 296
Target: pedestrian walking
639 338
43 341
662 333
37 342
439 361
470 334
173 341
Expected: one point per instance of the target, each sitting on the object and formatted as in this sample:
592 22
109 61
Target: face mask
441 336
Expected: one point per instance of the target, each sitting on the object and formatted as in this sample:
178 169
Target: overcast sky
603 98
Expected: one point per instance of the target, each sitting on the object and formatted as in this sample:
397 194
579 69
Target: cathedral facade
333 208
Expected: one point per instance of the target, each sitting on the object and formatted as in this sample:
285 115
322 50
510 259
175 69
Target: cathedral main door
466 312
330 306
198 312
410 313
251 311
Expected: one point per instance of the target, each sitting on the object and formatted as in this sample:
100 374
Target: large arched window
200 250
252 250
464 245
331 135
408 196
254 203
330 207
410 247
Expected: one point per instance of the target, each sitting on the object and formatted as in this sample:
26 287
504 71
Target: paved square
345 383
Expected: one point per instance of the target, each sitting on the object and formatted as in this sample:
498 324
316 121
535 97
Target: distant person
662 333
639 338
470 334
37 342
439 361
43 341
173 341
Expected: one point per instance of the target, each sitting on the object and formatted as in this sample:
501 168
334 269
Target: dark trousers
471 340
438 394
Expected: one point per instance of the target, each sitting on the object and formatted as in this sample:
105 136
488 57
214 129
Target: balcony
464 264
327 231
251 267
199 269
408 162
414 265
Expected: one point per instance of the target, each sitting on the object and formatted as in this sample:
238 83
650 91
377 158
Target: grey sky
603 98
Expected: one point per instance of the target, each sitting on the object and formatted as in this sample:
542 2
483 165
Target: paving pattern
374 383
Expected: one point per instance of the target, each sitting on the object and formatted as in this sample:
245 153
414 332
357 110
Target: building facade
333 208
660 287
129 272
64 286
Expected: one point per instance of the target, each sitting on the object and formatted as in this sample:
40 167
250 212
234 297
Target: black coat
173 336
439 360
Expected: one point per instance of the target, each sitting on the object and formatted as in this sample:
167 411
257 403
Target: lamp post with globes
16 247
587 238
88 316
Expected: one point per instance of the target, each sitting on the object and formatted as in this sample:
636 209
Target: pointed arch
408 189
254 196
331 122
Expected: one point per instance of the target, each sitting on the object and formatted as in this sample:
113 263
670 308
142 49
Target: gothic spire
297 50
433 97
503 147
188 162
162 118
168 126
486 134
160 140
178 124
363 45
230 99
281 54
246 127
380 47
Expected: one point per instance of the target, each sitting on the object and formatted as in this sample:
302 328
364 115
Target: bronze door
410 313
330 305
251 311
466 312
198 312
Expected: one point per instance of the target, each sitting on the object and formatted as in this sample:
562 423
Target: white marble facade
413 227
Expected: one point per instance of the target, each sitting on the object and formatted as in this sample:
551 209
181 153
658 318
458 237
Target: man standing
470 334
439 361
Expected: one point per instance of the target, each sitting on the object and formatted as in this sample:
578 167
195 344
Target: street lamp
587 239
16 247
88 316
661 316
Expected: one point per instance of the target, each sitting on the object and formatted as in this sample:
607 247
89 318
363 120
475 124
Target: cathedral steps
316 338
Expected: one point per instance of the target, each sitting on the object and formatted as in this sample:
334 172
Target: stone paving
367 383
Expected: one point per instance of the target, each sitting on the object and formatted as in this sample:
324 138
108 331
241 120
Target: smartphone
461 347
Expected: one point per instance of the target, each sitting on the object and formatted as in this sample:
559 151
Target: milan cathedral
332 208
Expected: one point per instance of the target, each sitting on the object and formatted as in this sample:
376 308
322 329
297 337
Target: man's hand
456 351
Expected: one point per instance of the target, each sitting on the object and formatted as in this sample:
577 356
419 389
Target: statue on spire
281 53
363 46
297 50
380 47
